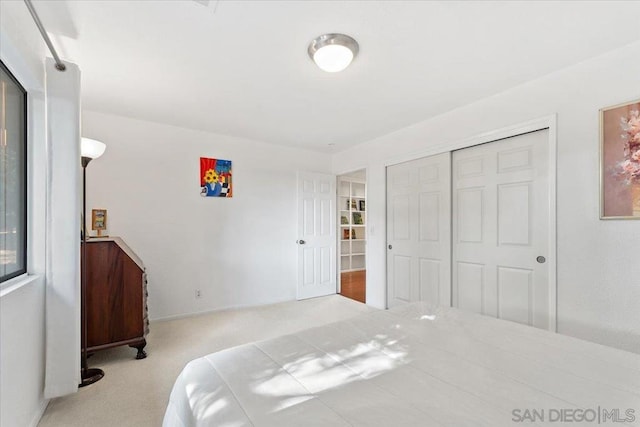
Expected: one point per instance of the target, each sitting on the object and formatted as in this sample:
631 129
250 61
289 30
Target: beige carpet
135 392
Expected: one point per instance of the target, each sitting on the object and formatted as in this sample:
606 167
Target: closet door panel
419 231
500 226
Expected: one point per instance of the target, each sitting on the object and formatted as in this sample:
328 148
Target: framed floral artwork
215 178
620 161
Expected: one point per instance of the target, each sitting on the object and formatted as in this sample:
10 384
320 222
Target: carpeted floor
135 392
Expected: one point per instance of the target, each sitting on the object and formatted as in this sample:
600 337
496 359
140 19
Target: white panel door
419 231
316 235
501 227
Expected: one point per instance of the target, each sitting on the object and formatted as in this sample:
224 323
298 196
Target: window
13 176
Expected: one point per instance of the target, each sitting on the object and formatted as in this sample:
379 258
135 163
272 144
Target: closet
471 229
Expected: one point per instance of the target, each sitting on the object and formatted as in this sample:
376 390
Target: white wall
238 251
598 265
22 310
22 355
28 317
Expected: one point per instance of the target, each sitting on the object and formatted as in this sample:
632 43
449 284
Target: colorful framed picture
99 220
215 178
620 161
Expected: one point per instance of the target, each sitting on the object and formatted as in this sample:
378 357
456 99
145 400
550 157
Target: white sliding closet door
501 227
419 231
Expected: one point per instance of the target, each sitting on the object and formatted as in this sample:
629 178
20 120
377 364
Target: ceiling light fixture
333 52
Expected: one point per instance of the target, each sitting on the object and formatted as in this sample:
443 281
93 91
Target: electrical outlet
198 293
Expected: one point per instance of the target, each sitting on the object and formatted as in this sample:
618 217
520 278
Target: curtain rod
59 64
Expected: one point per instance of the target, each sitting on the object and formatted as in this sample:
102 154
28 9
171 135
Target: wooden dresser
116 296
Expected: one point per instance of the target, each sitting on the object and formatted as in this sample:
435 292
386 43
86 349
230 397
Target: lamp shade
91 148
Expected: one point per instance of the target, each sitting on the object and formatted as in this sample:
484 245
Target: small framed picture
361 205
357 218
215 178
99 220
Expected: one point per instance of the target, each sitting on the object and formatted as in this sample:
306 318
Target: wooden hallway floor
353 285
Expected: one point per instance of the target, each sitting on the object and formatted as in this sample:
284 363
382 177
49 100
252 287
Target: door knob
300 242
541 259
390 247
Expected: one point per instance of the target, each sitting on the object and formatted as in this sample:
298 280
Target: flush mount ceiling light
333 52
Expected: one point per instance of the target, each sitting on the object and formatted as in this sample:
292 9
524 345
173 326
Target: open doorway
352 234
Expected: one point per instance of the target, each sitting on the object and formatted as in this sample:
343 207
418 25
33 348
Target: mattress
410 366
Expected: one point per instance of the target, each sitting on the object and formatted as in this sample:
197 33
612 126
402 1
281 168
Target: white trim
38 415
16 283
553 223
216 310
494 135
545 122
352 169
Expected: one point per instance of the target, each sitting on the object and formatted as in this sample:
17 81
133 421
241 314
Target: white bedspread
411 366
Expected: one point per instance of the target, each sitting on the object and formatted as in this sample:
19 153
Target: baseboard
38 415
216 310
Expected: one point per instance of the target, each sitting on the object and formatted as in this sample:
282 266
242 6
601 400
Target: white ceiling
241 67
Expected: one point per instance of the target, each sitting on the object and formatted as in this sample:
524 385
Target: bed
410 366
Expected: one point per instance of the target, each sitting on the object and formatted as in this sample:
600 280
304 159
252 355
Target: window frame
25 233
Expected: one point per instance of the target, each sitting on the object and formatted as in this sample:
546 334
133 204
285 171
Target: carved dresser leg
140 347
